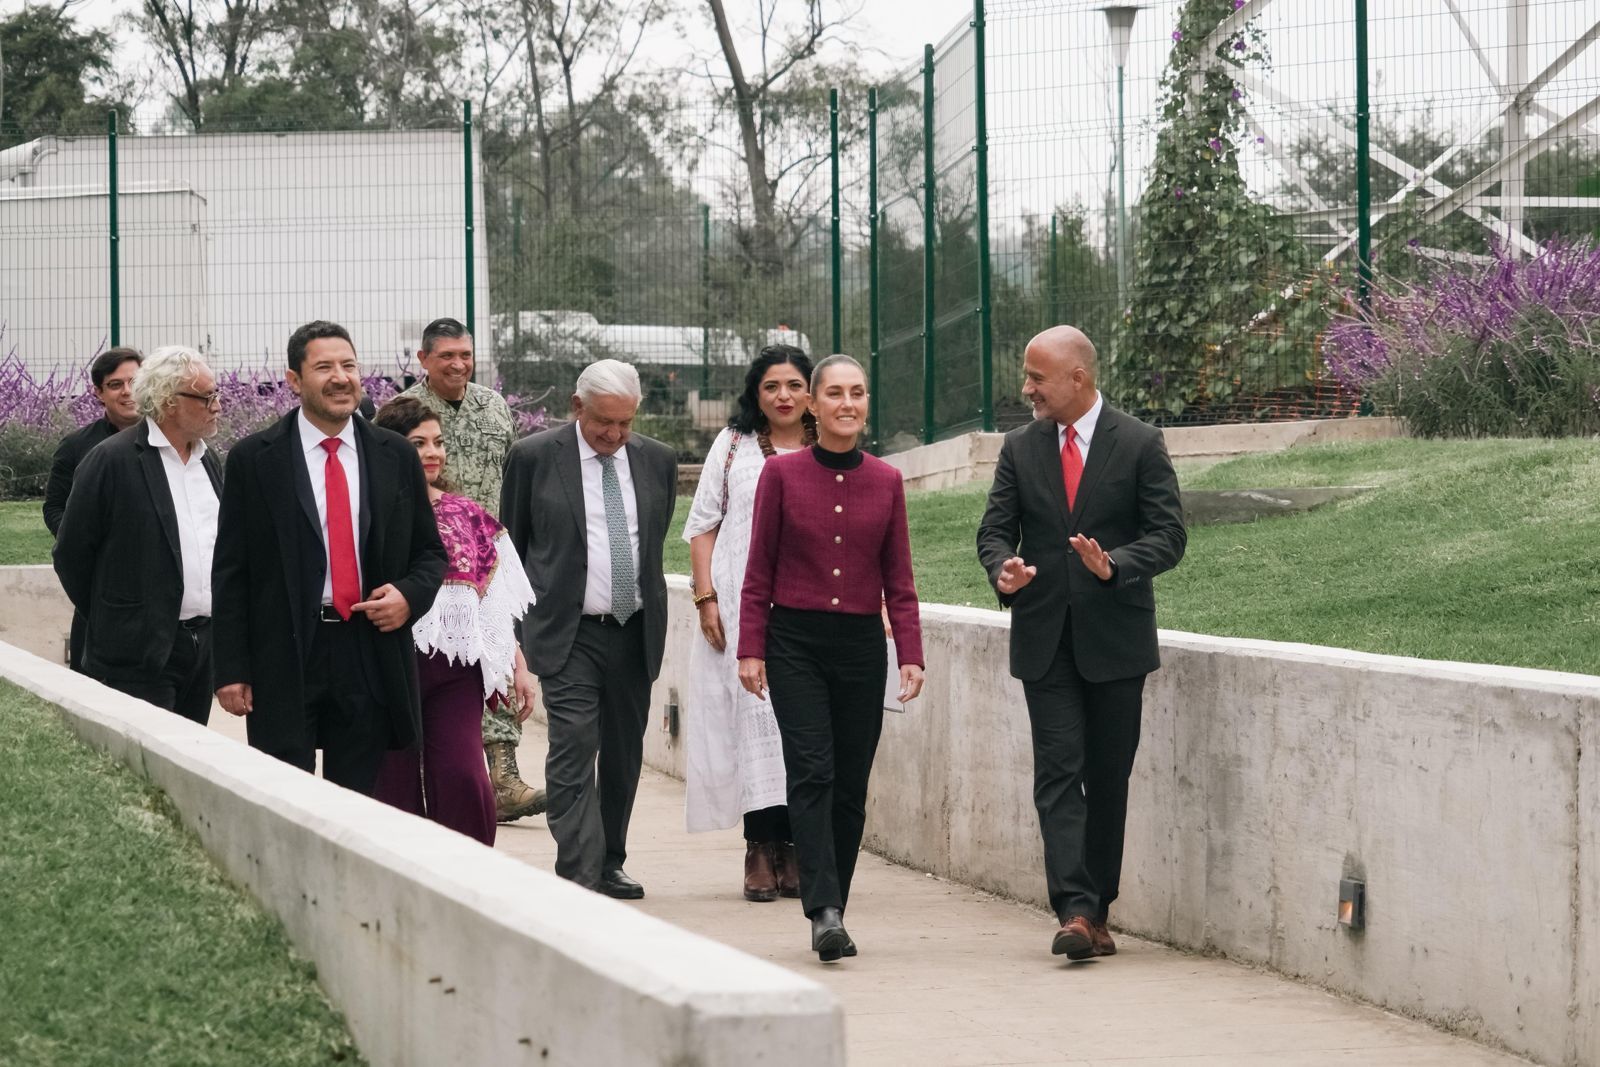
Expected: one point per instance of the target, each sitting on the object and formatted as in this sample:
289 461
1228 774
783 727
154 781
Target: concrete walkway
948 976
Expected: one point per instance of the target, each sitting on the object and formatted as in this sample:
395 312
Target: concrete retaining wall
1465 796
971 457
35 615
437 949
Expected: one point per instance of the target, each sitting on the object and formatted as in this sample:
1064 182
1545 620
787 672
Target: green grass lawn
1485 551
23 537
122 943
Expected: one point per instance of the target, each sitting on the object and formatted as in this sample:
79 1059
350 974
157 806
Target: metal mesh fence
1206 257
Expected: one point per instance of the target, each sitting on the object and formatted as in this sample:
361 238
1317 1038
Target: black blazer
1128 502
541 504
118 558
268 568
70 453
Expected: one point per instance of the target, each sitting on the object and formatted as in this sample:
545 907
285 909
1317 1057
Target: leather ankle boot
513 798
788 867
828 937
760 880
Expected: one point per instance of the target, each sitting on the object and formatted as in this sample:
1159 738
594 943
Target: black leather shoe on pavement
616 883
828 938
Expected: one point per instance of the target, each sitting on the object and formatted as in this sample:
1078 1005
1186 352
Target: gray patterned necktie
624 585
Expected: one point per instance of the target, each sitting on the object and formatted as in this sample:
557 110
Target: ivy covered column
1207 259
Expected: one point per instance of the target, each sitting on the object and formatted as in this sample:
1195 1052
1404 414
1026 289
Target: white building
227 242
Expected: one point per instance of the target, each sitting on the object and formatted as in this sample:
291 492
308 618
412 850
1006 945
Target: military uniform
477 436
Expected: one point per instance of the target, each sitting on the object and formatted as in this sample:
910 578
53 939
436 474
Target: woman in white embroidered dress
734 752
467 650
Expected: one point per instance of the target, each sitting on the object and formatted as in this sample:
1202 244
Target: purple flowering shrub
1508 348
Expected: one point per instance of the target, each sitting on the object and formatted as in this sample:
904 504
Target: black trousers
343 715
184 684
598 705
1085 735
826 673
768 824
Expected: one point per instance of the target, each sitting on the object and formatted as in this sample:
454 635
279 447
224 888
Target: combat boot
513 798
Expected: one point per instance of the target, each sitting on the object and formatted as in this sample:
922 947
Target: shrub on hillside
1504 349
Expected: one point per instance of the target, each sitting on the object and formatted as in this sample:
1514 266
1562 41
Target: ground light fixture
1352 903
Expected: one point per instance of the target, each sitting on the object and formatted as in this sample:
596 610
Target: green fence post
981 147
873 408
516 265
928 183
111 199
1363 162
1052 304
838 302
705 300
466 172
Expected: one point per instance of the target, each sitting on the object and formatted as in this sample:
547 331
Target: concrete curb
437 949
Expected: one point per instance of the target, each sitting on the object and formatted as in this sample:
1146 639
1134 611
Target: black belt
610 620
195 622
329 613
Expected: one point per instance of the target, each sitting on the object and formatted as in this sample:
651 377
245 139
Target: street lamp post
1119 22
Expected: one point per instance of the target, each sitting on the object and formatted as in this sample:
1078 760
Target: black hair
314 331
110 360
747 417
402 414
451 328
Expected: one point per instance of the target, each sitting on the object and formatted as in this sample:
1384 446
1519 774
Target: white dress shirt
1083 428
311 440
597 587
195 502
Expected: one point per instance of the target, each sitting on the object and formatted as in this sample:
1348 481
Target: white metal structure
1529 127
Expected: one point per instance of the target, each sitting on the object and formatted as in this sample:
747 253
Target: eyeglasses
210 400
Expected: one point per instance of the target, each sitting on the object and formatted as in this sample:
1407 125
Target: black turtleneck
839 461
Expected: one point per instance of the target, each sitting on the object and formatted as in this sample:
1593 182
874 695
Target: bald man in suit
1084 512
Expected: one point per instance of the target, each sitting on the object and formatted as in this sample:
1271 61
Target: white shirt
195 502
597 587
311 440
1083 428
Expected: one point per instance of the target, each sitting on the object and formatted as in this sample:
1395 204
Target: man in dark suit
587 507
134 547
111 375
1083 514
326 553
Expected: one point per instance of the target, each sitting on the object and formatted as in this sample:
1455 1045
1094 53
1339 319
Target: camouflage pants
500 724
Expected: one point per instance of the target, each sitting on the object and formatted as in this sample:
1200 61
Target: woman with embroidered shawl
467 650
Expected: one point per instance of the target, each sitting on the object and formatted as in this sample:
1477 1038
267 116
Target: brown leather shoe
1103 945
760 880
788 866
1074 940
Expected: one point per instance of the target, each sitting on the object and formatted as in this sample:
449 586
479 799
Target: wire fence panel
901 197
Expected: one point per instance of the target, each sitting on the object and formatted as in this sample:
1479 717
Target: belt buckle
329 613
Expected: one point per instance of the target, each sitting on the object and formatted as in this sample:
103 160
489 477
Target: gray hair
609 377
838 359
163 376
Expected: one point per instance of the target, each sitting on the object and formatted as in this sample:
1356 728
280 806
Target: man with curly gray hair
134 548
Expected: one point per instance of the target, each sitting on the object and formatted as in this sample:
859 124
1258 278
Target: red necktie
1071 467
341 535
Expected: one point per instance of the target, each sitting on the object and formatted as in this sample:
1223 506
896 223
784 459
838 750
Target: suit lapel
155 479
1101 449
567 461
375 463
283 477
643 489
1047 443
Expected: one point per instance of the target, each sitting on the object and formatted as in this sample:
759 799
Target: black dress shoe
616 883
828 937
849 949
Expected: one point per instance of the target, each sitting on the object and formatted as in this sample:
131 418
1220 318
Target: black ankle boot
828 937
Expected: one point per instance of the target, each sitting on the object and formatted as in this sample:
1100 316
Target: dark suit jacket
70 453
118 558
541 504
269 565
1128 502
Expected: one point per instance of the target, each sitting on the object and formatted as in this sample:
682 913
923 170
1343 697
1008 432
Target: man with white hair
587 507
134 547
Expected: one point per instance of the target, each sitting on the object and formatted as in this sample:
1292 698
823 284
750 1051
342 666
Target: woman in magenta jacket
829 548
